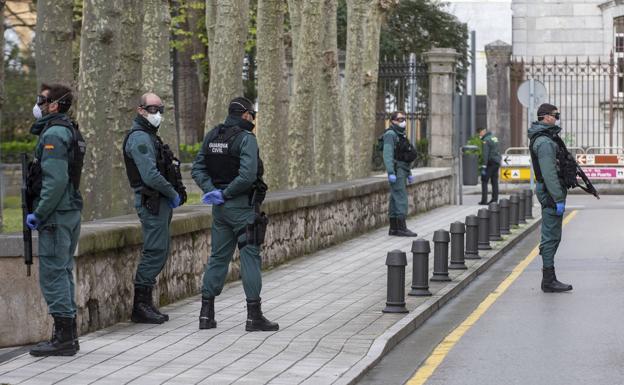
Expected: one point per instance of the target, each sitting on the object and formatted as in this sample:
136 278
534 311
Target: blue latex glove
214 197
410 179
392 178
175 202
32 222
560 208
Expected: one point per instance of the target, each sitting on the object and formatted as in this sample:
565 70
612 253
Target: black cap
545 109
240 105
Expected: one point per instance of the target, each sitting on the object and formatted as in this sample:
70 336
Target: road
526 336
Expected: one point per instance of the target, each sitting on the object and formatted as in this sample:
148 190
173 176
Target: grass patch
193 198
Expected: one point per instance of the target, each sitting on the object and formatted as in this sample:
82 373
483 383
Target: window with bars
618 51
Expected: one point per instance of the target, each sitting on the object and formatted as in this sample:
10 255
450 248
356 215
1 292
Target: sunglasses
556 115
399 119
43 100
152 108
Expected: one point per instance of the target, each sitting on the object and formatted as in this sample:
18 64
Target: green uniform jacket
390 139
140 147
491 151
546 150
247 146
53 151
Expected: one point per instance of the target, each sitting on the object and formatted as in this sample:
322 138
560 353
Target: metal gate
404 85
586 93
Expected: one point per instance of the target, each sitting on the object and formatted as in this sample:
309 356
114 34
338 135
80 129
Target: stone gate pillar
498 56
440 132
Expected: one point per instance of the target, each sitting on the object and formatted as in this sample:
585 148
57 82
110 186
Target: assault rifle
173 173
26 208
257 230
588 187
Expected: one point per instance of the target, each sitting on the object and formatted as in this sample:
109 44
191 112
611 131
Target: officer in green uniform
228 169
154 199
491 165
398 155
550 190
53 184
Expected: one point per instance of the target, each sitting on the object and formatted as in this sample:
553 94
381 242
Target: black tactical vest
566 164
222 155
131 168
77 150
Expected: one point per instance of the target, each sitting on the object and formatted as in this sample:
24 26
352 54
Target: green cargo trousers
227 221
551 227
398 195
156 239
58 237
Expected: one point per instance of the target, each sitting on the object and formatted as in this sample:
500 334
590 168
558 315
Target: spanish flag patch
48 147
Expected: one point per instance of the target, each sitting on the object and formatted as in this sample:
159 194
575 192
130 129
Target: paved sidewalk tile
328 305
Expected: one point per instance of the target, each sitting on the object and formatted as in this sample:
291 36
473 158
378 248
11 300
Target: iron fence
586 91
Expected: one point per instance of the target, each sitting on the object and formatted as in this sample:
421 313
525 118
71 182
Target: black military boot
255 319
154 308
402 230
62 342
550 283
207 314
142 311
394 226
75 331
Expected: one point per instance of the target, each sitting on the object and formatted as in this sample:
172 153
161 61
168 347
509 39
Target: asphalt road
530 337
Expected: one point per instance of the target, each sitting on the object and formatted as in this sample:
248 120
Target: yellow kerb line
439 353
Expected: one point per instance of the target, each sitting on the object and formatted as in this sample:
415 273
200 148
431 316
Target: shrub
12 150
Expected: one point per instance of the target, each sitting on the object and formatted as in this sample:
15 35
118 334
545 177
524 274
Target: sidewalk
328 306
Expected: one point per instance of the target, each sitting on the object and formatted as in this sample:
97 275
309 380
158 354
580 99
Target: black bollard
396 262
484 229
494 211
528 203
521 209
457 246
504 216
513 210
420 268
441 241
472 237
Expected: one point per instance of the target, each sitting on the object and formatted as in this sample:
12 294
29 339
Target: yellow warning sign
515 174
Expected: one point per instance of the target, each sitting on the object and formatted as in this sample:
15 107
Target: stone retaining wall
301 222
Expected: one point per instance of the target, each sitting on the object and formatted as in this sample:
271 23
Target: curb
406 325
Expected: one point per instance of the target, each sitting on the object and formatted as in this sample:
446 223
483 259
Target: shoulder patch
142 148
48 146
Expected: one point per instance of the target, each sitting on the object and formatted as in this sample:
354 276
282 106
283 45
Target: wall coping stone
118 232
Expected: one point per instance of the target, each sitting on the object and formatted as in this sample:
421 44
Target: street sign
604 172
600 159
515 174
540 94
516 160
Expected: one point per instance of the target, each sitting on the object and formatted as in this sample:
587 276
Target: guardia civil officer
156 194
229 171
491 165
398 155
546 150
56 204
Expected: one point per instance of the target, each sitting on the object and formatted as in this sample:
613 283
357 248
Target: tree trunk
53 41
1 103
226 51
110 87
273 93
364 18
156 70
329 137
301 170
189 99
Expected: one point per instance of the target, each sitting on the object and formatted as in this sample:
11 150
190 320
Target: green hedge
10 151
189 152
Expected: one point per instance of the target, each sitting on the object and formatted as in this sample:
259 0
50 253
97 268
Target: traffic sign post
531 93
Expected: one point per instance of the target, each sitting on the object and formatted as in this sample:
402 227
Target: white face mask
154 119
402 124
37 112
558 123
